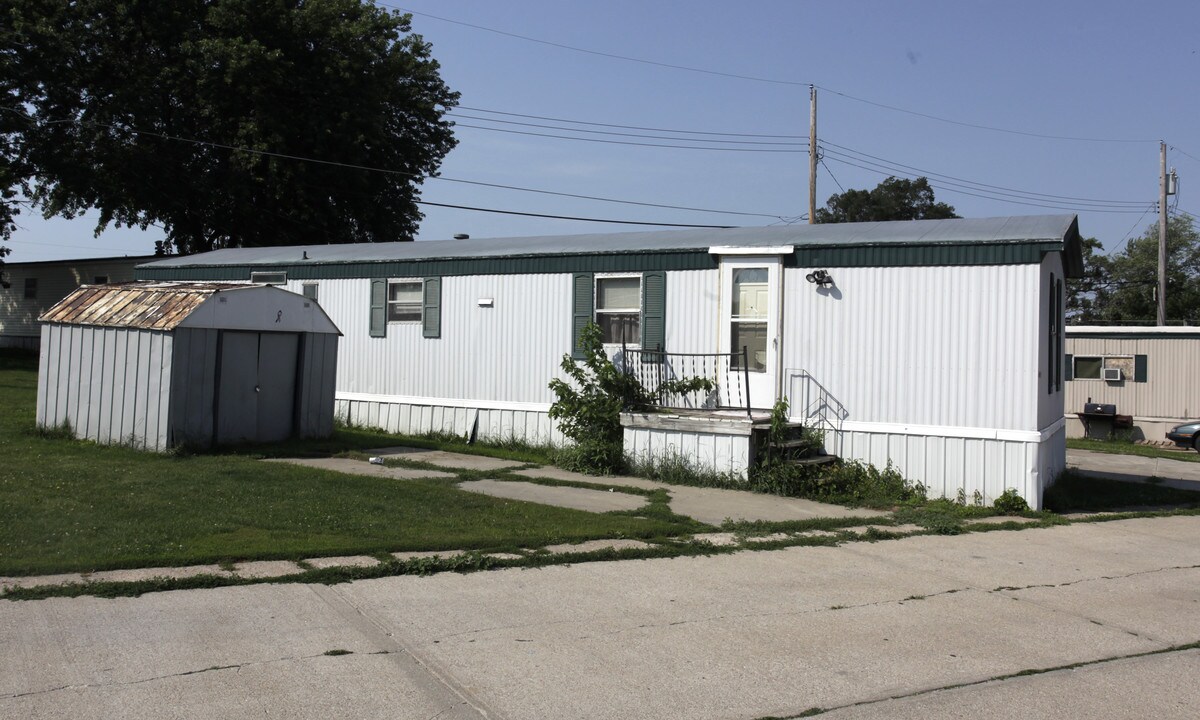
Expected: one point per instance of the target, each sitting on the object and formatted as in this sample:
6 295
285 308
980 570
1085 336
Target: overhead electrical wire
1135 225
570 217
501 186
753 78
455 114
1034 195
951 189
624 142
629 127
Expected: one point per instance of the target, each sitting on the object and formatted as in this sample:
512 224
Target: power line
454 114
775 81
976 126
1034 195
571 217
1131 229
630 127
1181 151
1060 206
821 159
517 188
624 142
613 56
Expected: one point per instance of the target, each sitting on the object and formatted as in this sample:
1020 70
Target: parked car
1186 435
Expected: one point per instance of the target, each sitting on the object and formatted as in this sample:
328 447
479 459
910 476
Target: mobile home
935 345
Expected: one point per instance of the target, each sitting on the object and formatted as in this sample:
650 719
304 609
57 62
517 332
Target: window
309 291
30 288
1091 367
748 318
404 301
100 280
629 308
269 278
619 309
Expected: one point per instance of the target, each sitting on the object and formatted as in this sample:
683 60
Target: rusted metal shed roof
149 306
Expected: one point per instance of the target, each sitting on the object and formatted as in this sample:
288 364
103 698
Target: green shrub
588 409
1010 503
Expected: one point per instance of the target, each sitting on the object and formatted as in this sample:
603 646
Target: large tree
1123 289
892 199
195 114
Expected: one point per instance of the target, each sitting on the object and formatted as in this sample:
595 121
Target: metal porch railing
728 372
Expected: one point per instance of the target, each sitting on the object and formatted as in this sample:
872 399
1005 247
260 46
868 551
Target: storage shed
935 345
157 365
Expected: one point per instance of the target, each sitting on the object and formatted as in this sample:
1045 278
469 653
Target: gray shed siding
1171 390
111 385
193 373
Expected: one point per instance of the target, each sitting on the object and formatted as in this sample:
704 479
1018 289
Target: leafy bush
588 409
1010 503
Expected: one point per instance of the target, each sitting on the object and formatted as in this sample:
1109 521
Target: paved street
920 627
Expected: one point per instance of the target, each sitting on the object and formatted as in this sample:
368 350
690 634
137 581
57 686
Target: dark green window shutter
379 308
654 311
1051 326
582 299
1069 371
1139 368
431 308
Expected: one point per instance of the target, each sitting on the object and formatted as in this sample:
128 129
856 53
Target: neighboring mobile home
1148 373
935 345
159 365
28 289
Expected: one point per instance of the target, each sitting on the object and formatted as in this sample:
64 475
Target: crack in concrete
215 668
810 712
1011 588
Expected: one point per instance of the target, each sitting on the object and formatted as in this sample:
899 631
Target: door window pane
749 293
752 336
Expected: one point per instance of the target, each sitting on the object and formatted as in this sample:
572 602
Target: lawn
1122 447
67 505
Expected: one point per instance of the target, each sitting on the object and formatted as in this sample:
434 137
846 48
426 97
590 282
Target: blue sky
1120 72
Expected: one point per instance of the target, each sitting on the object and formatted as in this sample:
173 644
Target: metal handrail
653 368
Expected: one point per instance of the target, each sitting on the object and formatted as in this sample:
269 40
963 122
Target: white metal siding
944 346
111 385
508 352
693 311
1050 404
946 465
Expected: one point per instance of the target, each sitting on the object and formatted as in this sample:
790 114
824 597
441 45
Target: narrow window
619 309
269 278
404 301
30 288
748 318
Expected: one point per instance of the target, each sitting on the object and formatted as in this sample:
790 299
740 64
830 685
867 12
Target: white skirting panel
702 451
410 418
945 465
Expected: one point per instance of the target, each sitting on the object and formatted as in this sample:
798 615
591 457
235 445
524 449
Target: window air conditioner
1111 374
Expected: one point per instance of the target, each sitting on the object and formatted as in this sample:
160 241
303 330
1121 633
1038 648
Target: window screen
619 308
404 301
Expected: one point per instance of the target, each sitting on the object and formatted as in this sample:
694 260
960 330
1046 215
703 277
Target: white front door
750 297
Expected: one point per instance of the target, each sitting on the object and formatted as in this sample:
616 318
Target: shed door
256 397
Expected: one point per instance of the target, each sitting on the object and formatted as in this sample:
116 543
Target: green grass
1124 447
67 505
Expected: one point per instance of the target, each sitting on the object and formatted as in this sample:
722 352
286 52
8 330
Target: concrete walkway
1180 474
925 627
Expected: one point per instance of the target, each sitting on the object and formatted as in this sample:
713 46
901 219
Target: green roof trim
840 256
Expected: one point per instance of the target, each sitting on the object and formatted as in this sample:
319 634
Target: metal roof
149 306
963 231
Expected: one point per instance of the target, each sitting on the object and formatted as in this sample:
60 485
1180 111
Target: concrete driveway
920 627
1181 474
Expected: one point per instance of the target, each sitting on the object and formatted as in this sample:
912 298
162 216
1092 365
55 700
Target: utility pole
1162 234
812 154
